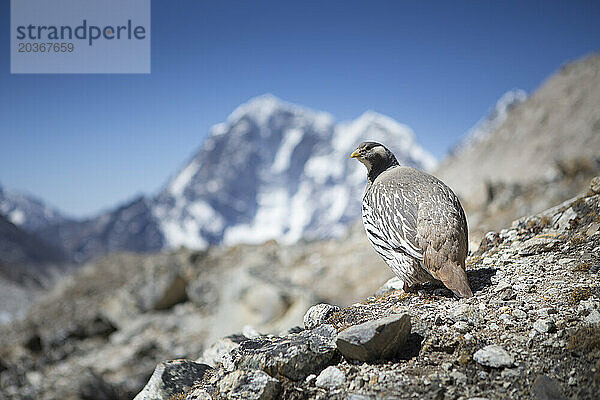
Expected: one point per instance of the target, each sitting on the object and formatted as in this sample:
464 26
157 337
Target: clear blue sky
84 143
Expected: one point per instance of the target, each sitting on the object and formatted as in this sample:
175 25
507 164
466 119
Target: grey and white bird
413 221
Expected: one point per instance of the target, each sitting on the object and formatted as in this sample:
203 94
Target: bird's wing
392 216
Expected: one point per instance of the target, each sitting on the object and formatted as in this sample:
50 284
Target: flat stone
294 356
330 378
493 356
538 244
318 314
249 384
172 377
373 340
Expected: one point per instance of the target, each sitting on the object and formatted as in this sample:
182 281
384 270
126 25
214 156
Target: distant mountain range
272 170
27 212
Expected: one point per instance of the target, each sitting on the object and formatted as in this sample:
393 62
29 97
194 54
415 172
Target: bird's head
375 156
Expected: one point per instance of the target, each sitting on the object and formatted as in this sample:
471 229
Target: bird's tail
455 279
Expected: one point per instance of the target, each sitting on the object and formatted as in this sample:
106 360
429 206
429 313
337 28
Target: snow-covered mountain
275 170
492 121
27 212
272 170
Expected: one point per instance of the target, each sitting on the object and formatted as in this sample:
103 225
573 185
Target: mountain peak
263 107
494 118
371 117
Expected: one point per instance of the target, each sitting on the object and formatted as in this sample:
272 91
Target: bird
413 221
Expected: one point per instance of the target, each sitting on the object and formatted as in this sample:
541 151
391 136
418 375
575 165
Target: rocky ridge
529 153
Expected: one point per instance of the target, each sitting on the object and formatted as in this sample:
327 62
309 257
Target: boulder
318 314
171 378
373 340
493 356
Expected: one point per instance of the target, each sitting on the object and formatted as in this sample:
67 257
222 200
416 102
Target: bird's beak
356 154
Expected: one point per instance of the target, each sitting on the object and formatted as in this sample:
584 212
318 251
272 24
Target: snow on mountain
275 170
492 121
27 212
272 170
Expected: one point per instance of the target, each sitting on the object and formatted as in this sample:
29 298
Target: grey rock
249 384
294 356
172 377
493 356
458 377
545 388
219 352
389 286
593 318
462 326
510 373
330 378
357 396
519 314
372 340
565 219
504 290
595 185
198 393
461 312
538 245
544 326
318 314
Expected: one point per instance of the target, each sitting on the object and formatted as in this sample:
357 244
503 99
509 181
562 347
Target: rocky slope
103 329
558 124
532 330
100 333
487 125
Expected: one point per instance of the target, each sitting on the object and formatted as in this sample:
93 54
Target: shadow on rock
412 347
480 278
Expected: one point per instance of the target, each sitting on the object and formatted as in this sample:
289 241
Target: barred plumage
413 221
